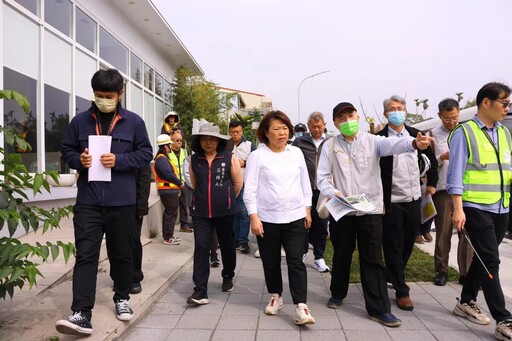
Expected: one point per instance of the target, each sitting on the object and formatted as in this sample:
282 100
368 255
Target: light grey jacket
356 167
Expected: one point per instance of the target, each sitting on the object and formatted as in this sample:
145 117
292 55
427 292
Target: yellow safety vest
487 175
161 183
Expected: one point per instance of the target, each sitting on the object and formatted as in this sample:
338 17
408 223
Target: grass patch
420 267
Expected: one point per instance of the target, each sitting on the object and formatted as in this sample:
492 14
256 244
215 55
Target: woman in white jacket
278 199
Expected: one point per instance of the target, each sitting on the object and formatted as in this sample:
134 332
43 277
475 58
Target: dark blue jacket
130 144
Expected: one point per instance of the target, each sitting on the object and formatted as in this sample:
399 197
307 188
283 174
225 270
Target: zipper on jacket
209 189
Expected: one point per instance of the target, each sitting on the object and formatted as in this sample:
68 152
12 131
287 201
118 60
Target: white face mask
105 105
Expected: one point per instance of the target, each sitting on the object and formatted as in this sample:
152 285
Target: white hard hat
424 165
163 139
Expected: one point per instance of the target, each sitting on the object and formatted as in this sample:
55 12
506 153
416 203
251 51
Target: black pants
399 233
486 231
203 229
184 213
317 234
291 236
367 230
90 223
170 202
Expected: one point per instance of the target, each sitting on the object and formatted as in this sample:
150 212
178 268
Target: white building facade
51 49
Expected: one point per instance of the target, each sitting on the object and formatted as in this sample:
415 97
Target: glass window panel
136 100
167 91
159 84
56 122
31 5
82 104
113 51
135 68
16 119
20 56
149 116
58 14
57 70
86 67
85 30
148 77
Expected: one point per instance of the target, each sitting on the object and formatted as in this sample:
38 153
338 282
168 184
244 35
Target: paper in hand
98 145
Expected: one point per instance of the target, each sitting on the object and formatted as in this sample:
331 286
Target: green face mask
349 128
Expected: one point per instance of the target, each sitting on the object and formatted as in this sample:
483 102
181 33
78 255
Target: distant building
247 103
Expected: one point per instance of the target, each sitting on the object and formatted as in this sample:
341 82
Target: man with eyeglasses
401 185
449 115
479 183
242 148
177 156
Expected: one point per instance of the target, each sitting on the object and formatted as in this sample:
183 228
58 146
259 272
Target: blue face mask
396 118
298 134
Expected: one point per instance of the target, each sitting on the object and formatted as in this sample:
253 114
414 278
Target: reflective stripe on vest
161 183
487 177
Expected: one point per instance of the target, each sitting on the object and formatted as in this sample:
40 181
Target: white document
339 207
428 209
98 145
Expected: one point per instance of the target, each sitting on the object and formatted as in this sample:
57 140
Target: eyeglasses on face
450 119
505 104
177 141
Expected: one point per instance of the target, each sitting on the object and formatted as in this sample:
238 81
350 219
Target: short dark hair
234 124
448 104
265 124
107 80
492 91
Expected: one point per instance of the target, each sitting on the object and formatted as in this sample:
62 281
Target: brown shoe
419 239
404 303
428 237
186 229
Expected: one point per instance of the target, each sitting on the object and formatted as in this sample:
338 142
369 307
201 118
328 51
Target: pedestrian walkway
239 315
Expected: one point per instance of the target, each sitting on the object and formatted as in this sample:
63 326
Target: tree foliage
16 266
195 97
247 121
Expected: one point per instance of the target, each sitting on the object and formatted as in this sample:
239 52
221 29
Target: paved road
239 315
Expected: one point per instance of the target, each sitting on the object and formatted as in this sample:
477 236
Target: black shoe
136 288
227 284
245 248
387 319
77 324
198 297
214 261
237 246
441 278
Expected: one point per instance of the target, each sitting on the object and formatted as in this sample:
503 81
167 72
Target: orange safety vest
164 184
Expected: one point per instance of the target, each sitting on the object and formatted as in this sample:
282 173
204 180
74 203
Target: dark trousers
317 234
291 236
90 223
203 230
184 212
242 221
367 230
486 231
138 276
170 202
399 233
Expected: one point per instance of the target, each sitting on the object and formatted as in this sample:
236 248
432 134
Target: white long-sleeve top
277 185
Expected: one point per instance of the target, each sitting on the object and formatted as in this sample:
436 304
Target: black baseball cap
341 106
300 127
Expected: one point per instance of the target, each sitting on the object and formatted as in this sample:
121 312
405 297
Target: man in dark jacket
402 195
311 146
104 207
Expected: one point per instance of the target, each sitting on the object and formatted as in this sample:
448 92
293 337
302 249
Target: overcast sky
372 49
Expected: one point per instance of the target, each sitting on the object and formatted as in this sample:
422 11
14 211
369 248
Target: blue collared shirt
458 161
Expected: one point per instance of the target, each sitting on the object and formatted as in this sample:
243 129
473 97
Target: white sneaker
172 241
302 315
471 311
257 253
304 257
274 304
123 310
319 264
503 330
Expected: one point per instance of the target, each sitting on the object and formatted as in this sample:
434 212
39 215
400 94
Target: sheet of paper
428 210
98 145
337 209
